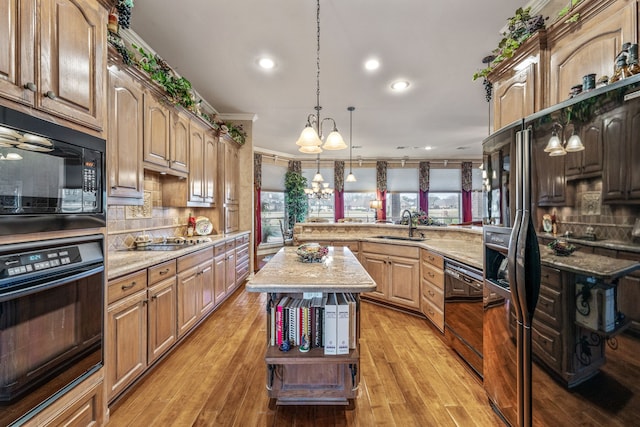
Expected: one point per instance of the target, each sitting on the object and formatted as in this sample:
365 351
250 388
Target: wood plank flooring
409 377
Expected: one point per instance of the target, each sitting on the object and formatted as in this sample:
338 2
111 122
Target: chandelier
319 189
310 141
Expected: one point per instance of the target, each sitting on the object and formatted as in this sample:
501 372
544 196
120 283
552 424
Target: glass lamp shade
351 177
308 191
375 204
334 141
309 138
310 149
318 177
574 144
560 151
554 144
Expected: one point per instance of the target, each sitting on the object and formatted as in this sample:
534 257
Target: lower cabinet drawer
433 313
433 293
549 307
547 345
433 274
126 285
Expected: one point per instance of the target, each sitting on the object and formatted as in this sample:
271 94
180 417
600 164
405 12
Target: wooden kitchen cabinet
47 66
230 267
195 288
196 162
242 259
432 287
514 97
621 176
395 269
126 349
179 142
229 159
125 172
588 162
220 272
549 182
162 296
157 120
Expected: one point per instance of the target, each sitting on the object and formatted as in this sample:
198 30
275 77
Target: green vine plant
565 11
521 26
179 90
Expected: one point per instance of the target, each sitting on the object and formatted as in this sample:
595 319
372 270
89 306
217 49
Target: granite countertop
598 266
125 261
341 272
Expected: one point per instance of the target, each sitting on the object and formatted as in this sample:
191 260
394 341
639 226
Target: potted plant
295 199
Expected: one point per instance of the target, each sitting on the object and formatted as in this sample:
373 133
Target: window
272 203
445 195
321 207
356 206
477 210
402 191
272 216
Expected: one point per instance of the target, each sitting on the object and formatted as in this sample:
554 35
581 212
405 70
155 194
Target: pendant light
310 140
351 177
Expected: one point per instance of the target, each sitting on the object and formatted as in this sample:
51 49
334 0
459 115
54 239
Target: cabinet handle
431 312
155 297
50 94
430 274
431 258
431 293
163 272
30 86
129 286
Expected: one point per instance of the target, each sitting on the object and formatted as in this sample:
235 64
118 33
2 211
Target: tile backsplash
124 223
609 222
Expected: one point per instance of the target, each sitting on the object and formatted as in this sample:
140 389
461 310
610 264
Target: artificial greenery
295 199
521 26
178 88
565 11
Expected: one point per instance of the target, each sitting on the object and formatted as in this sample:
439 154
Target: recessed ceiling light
400 85
372 64
428 147
266 63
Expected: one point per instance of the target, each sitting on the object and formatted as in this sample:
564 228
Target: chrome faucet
411 227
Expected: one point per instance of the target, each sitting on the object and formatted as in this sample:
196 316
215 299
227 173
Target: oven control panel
17 264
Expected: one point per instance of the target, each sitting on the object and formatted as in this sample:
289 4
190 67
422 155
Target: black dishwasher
463 312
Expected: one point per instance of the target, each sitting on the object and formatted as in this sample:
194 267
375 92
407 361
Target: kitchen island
313 377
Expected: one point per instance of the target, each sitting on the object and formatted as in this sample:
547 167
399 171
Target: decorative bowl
562 248
312 252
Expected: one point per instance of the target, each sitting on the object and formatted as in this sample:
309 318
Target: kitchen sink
412 239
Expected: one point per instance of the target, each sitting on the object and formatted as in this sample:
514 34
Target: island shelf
313 377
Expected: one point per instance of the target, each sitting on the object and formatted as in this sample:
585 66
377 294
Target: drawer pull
431 258
163 272
129 286
50 94
30 86
431 313
431 293
430 274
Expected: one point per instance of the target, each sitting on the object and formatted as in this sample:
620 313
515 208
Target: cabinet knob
430 274
155 297
50 94
431 293
30 86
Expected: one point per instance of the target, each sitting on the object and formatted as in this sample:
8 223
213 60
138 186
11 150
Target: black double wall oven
51 289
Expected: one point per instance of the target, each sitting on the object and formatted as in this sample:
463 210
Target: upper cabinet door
210 166
156 132
179 146
17 65
73 60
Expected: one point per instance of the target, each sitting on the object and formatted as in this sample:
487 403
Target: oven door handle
50 284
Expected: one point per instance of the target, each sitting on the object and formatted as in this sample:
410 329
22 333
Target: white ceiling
436 45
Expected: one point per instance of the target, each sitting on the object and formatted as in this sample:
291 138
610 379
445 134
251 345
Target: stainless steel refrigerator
598 374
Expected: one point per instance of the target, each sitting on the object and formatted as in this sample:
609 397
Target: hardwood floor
409 377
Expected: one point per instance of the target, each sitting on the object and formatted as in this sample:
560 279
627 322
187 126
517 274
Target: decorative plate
547 225
203 226
312 252
9 133
35 139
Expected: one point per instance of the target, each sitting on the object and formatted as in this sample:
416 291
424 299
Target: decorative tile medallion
137 212
591 203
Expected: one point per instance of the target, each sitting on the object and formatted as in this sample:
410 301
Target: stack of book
327 322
